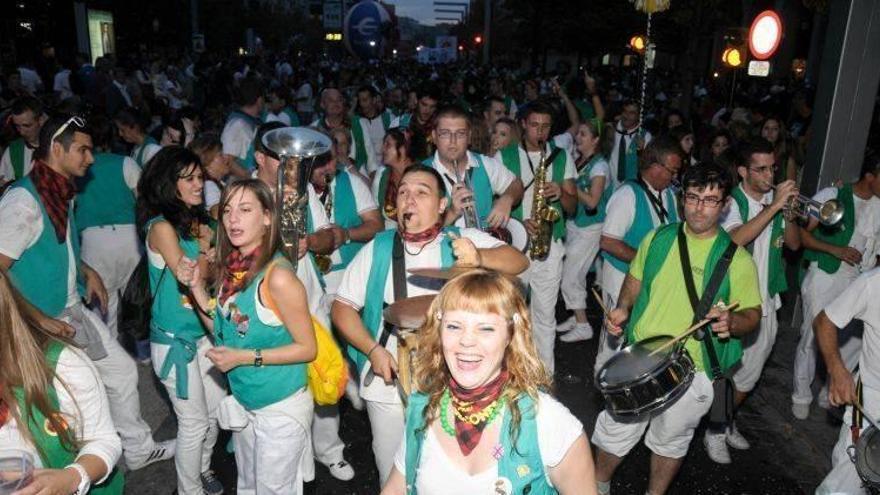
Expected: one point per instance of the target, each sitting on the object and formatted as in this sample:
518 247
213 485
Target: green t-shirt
669 311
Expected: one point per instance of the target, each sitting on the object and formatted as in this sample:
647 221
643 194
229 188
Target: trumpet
803 207
471 218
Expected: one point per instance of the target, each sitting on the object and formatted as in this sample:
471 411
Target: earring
438 314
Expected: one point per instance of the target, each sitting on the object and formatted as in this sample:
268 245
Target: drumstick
601 303
866 415
693 328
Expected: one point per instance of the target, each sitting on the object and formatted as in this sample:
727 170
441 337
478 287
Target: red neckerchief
4 410
237 266
55 192
468 435
424 236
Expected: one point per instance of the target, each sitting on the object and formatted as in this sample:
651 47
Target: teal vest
346 216
104 198
776 282
40 274
140 151
729 351
838 234
404 120
479 180
241 328
383 244
630 162
16 157
642 222
510 158
172 323
360 144
53 453
520 463
292 115
583 217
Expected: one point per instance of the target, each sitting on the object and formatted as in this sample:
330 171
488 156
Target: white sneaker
342 470
716 447
800 411
736 439
162 451
581 331
566 325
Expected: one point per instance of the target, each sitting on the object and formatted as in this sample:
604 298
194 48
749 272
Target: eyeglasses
77 121
695 200
763 170
447 135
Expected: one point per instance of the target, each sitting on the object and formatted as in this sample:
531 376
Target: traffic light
735 53
478 39
638 43
733 57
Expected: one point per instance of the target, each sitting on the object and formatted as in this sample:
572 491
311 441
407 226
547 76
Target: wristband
258 358
84 481
347 236
372 349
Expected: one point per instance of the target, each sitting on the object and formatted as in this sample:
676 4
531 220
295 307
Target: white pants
817 291
544 278
757 347
113 251
325 435
670 431
386 423
581 248
196 416
119 374
274 451
612 281
843 477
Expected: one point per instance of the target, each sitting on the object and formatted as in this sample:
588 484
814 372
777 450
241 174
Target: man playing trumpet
368 285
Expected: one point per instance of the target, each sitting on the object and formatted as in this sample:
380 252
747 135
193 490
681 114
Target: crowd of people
153 173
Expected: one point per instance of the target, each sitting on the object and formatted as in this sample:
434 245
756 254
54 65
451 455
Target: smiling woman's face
474 346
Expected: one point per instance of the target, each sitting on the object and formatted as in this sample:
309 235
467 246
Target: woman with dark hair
177 231
684 136
53 408
264 337
396 157
719 141
773 130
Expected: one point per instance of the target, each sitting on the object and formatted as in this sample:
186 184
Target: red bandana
4 410
237 267
424 236
467 434
55 192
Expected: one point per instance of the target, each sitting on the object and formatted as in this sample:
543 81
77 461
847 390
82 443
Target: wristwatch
84 481
258 358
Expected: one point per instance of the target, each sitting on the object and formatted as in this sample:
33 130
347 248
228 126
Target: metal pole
487 26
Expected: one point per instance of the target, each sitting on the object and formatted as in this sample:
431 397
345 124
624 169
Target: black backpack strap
702 305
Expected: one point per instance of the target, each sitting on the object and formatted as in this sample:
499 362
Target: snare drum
635 382
867 458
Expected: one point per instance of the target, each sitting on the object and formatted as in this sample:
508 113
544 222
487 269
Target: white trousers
757 347
325 435
113 251
196 416
119 374
817 291
386 423
843 477
581 248
274 451
544 278
612 281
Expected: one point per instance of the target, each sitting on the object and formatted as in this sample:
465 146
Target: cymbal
440 273
408 313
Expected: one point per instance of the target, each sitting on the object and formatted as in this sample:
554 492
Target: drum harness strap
398 280
856 427
722 406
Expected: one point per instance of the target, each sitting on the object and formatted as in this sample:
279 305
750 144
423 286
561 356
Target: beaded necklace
462 412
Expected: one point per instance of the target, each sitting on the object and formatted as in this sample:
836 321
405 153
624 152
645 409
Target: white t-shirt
21 224
526 174
278 117
308 104
557 431
7 172
364 203
83 403
859 301
375 133
353 292
867 231
600 169
61 84
613 158
150 150
499 177
30 79
212 193
237 137
732 219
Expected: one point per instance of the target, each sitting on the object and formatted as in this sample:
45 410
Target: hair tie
438 314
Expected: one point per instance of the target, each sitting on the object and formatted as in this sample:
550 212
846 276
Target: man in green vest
420 122
836 255
369 284
759 220
655 300
241 126
477 180
492 111
333 116
131 128
39 247
369 123
28 118
560 193
634 209
629 139
496 89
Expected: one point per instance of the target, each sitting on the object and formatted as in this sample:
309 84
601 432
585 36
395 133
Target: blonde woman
53 406
482 421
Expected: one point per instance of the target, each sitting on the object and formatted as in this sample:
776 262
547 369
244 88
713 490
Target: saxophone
543 214
323 260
